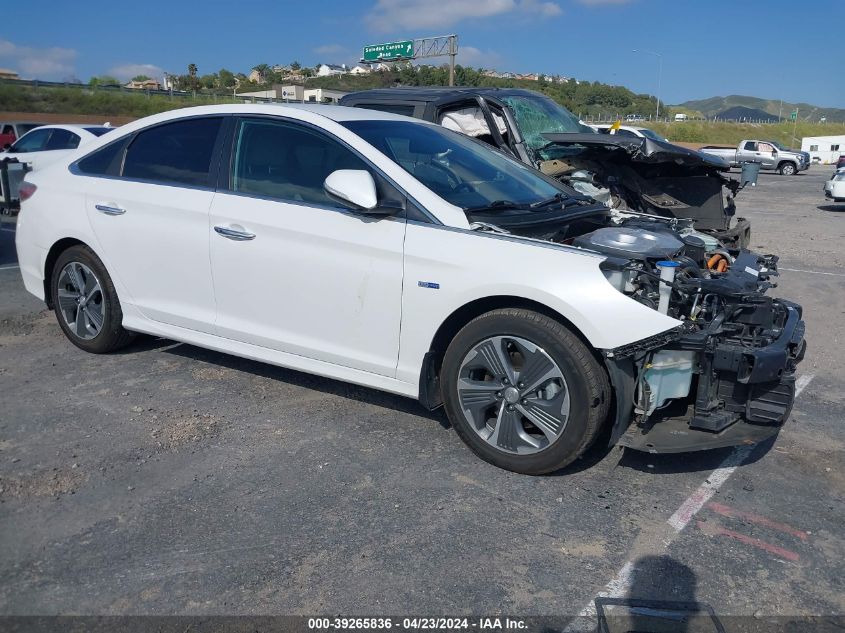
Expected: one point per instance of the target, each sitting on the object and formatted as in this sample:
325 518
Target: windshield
460 170
538 115
652 135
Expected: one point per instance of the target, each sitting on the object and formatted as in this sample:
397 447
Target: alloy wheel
81 301
513 394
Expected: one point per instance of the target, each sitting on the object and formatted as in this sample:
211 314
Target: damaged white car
396 254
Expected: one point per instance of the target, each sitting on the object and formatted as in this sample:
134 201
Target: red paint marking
748 540
733 513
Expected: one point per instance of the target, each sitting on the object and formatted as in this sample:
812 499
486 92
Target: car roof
77 128
437 93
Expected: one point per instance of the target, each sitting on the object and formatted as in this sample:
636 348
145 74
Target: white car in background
43 145
834 189
396 254
629 130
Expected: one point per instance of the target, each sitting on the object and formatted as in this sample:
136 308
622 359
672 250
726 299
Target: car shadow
833 208
693 462
298 379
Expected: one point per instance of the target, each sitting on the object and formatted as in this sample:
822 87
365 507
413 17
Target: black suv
635 174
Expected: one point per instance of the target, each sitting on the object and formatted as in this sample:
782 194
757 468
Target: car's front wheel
787 169
86 303
523 391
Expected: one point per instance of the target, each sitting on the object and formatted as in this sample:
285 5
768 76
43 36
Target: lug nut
498 394
521 385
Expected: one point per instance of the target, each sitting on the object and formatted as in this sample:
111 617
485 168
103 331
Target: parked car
47 143
639 175
396 254
629 130
769 154
840 162
680 116
10 131
634 117
834 189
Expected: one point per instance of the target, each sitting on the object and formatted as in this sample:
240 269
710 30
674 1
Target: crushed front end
726 375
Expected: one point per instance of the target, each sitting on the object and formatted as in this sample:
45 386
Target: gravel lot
172 480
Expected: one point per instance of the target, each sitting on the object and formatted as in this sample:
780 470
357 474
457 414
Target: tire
787 169
477 402
90 317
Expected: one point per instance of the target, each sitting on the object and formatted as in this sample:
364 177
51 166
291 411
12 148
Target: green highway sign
793 115
393 50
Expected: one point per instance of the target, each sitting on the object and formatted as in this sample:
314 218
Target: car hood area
624 149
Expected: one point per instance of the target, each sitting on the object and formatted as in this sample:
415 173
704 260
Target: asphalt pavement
167 479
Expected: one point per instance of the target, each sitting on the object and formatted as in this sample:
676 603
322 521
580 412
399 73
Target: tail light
26 190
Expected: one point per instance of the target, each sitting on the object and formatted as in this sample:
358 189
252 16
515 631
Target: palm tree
192 71
262 70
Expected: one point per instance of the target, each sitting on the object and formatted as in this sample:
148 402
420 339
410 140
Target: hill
806 111
741 113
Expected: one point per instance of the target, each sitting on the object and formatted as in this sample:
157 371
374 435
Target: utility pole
659 75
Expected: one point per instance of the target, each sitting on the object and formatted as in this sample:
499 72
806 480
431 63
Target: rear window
98 131
392 108
178 152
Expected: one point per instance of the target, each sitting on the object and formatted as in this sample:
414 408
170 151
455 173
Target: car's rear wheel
787 169
86 303
523 391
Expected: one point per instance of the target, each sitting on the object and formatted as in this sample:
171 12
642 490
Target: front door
294 270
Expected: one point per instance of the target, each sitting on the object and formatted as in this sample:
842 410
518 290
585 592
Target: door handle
234 234
109 209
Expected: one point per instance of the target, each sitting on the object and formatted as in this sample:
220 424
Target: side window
765 147
629 133
287 161
834 148
62 139
32 142
105 161
178 152
8 129
751 146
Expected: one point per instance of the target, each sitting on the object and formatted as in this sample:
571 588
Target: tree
262 70
141 78
103 80
192 72
226 78
295 65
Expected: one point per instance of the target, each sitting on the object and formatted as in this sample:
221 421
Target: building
5 73
360 69
322 95
147 84
326 70
824 149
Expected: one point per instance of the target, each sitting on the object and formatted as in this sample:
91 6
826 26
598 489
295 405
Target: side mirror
355 187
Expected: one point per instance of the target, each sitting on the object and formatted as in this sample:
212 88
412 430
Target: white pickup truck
770 154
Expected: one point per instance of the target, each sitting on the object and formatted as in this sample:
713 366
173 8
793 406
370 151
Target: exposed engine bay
649 176
726 374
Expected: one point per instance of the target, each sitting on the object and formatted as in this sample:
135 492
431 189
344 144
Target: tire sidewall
568 445
112 315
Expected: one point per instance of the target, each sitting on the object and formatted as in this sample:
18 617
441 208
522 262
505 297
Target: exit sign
392 50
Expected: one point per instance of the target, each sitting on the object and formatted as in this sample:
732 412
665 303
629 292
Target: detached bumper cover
742 396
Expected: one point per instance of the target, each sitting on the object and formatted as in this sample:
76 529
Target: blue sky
795 47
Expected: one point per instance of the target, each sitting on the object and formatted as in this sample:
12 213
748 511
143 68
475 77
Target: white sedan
396 254
43 145
834 189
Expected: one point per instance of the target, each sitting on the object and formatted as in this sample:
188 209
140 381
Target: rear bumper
741 396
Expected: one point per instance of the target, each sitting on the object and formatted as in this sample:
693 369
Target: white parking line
619 586
812 272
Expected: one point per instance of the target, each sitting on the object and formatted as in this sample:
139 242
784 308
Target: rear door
152 220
